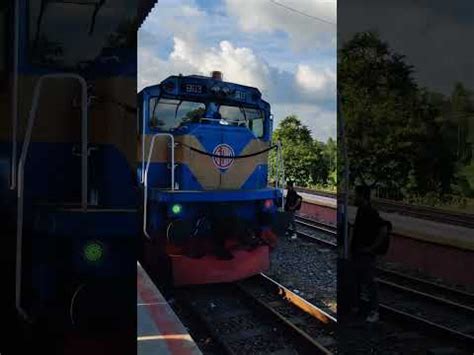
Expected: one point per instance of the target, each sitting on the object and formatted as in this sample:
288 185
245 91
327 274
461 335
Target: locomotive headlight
268 204
93 251
168 86
176 209
226 91
215 89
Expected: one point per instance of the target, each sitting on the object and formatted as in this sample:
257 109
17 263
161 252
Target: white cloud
320 121
173 41
239 65
149 67
303 31
320 83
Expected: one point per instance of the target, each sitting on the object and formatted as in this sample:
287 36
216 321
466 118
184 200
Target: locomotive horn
217 75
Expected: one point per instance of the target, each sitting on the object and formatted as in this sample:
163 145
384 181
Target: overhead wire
302 13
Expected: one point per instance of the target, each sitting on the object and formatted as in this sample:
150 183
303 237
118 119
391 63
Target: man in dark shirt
366 238
292 203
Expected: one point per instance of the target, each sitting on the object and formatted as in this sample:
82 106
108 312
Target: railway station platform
319 200
427 231
438 249
159 331
441 250
321 208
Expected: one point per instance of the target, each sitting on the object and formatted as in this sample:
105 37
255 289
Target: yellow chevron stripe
203 167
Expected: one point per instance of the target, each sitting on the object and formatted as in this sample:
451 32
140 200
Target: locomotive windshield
168 114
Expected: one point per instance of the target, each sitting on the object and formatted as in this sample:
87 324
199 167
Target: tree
304 160
462 111
378 96
432 161
330 155
461 138
399 135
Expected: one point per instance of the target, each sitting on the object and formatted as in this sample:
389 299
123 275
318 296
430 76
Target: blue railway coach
67 158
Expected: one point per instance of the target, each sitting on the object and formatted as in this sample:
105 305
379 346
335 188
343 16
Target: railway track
434 307
424 212
462 219
260 316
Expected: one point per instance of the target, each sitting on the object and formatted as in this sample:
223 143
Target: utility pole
345 285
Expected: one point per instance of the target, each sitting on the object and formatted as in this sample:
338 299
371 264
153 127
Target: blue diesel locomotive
208 213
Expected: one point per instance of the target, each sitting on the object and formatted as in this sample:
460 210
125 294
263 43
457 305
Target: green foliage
401 137
379 96
306 161
330 155
465 181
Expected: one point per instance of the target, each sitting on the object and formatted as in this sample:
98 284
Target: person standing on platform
369 239
292 204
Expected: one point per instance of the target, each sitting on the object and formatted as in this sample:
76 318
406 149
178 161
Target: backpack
300 202
385 245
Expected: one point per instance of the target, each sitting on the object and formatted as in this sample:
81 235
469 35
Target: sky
434 35
289 56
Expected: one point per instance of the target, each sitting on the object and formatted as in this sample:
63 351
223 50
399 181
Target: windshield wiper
97 7
176 110
154 108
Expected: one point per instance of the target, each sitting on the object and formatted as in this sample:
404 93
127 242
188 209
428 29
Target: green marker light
93 252
176 208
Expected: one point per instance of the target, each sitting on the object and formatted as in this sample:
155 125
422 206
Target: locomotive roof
201 87
210 79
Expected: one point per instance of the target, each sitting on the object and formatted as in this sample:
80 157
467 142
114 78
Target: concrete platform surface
159 331
411 227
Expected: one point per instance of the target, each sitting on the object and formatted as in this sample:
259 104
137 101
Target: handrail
277 180
22 161
145 178
346 174
14 102
139 118
282 171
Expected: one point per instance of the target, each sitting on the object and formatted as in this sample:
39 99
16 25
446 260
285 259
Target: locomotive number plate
193 89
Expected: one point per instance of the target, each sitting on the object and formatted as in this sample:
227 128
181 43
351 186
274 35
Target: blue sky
290 57
434 35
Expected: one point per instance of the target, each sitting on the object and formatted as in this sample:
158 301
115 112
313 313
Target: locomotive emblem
226 158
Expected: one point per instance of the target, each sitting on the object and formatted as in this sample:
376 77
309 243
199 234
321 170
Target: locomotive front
208 213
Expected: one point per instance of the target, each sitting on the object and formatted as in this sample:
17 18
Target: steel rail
384 279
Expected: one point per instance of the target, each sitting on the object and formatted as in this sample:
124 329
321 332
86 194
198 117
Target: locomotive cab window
244 117
166 114
255 119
